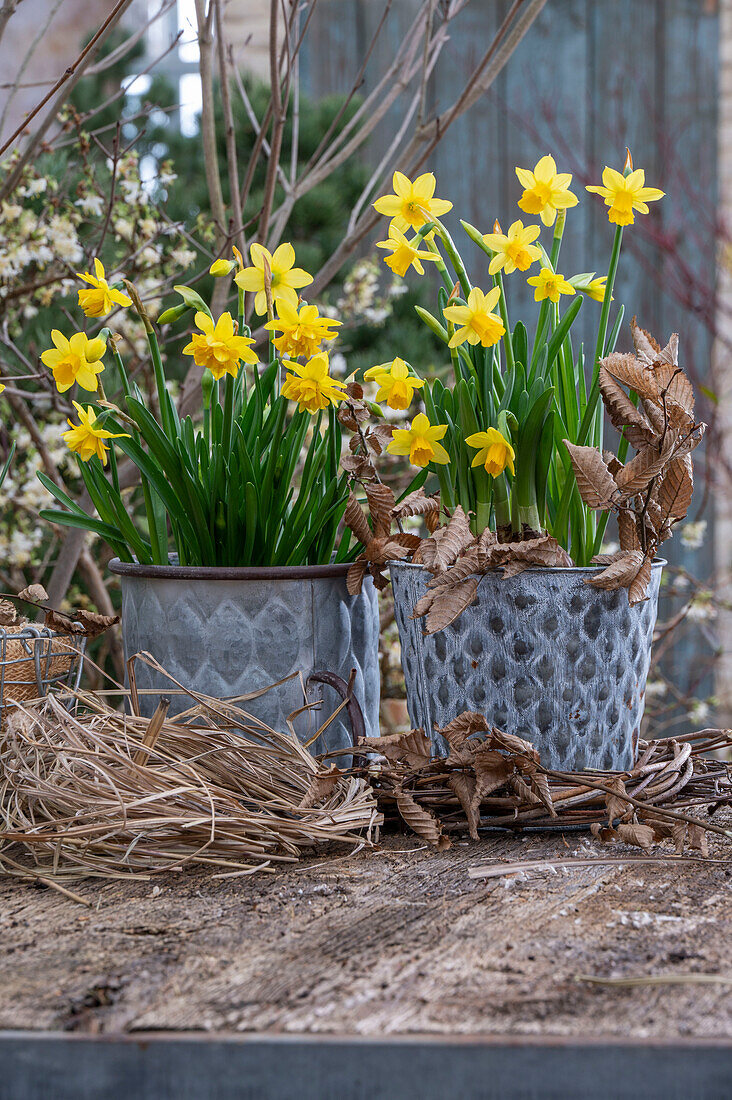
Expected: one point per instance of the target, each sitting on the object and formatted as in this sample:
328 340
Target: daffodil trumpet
526 386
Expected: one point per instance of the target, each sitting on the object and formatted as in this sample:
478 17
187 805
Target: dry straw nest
110 794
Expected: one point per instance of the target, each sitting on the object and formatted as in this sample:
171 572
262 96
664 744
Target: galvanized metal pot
542 655
226 632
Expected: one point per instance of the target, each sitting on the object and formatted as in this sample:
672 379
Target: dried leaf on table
617 803
457 732
412 747
463 787
698 841
633 833
421 821
321 787
492 770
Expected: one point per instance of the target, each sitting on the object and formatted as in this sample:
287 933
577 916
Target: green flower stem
455 257
501 503
507 339
441 266
557 238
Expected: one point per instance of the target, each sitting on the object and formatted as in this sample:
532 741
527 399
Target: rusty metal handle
353 707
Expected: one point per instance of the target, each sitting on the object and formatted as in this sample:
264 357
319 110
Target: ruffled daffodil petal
75 360
420 442
513 251
549 284
102 298
286 278
545 190
396 383
303 330
624 195
217 347
475 322
87 439
412 204
495 453
403 253
312 386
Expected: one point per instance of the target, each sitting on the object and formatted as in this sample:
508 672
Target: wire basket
35 659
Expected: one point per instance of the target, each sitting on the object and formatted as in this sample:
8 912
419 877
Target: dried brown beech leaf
355 576
95 624
355 518
540 784
359 466
492 770
464 726
690 441
595 482
647 348
620 573
628 531
34 593
698 839
321 787
678 835
463 787
676 487
379 436
612 462
381 502
421 821
355 390
623 414
469 563
618 807
515 557
62 624
638 589
449 603
670 354
418 504
637 474
352 413
633 833
8 613
412 747
634 374
513 744
523 790
446 549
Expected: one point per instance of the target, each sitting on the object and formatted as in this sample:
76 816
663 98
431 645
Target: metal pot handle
353 707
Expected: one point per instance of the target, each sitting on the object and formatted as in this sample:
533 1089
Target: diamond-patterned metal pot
226 632
542 655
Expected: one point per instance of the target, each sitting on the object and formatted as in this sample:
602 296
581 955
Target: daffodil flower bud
219 268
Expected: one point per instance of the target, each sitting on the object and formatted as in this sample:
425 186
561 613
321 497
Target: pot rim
550 570
229 573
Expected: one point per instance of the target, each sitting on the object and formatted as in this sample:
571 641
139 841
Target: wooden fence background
591 77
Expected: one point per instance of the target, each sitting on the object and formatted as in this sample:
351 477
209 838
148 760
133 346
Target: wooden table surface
393 942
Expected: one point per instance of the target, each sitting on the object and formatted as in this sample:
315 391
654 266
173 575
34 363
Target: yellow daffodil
403 254
596 289
217 346
303 330
625 194
102 298
221 267
286 279
479 324
86 439
311 385
420 442
75 360
494 451
412 204
396 384
549 284
513 250
2 387
545 190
